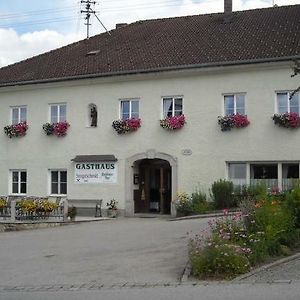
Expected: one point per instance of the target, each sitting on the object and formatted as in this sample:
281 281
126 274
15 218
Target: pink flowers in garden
173 123
231 121
16 129
59 129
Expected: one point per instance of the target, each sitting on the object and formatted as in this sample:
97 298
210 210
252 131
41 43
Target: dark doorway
154 193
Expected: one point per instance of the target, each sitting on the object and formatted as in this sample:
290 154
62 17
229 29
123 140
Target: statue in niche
94 116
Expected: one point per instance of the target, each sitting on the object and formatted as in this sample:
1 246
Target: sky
31 27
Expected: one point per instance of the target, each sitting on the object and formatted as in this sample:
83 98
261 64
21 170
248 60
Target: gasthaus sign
96 172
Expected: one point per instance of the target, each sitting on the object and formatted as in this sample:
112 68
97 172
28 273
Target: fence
11 212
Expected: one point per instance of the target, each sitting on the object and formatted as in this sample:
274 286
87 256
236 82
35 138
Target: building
202 66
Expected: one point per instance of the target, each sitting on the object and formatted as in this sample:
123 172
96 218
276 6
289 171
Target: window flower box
173 123
125 126
287 120
16 129
59 129
231 121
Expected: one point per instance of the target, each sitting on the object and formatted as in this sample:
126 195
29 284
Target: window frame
19 171
288 101
173 105
19 107
130 100
58 183
58 111
234 102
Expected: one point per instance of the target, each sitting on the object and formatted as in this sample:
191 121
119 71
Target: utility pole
88 11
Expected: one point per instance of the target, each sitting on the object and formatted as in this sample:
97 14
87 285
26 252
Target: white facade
209 150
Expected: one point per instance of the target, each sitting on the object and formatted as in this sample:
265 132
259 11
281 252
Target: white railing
270 184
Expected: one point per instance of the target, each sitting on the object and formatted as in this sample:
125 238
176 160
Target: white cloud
17 47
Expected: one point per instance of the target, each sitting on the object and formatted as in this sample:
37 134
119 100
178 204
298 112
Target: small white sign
96 172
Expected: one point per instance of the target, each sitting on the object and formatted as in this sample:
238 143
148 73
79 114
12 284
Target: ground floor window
274 175
58 182
18 182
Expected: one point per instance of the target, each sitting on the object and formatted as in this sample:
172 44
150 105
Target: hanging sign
96 172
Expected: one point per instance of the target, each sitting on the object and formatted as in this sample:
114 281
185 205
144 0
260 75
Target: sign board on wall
96 172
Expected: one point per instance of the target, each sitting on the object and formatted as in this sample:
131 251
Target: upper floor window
172 106
18 114
234 104
58 113
19 182
285 104
129 109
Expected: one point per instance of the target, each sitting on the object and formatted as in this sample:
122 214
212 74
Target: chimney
227 6
120 25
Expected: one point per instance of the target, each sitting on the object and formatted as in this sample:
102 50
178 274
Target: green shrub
221 261
183 204
200 203
222 194
293 203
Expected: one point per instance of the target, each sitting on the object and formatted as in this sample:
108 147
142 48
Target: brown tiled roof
182 42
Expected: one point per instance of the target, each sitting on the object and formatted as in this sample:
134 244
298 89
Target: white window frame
130 108
19 182
58 111
234 102
288 101
173 105
19 113
59 182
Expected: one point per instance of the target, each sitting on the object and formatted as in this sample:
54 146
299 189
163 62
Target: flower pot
112 213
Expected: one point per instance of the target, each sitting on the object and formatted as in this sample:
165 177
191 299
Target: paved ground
109 252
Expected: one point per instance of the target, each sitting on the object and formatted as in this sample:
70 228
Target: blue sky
30 27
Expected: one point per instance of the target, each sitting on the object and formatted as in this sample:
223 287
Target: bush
183 204
293 203
200 203
221 261
222 194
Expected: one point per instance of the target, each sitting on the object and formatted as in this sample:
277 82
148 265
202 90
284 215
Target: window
19 182
58 113
58 183
234 104
237 173
18 114
129 109
172 106
285 104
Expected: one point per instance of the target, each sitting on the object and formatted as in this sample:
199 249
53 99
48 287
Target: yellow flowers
31 206
3 203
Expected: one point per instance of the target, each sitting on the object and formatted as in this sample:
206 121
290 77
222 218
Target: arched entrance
152 191
151 183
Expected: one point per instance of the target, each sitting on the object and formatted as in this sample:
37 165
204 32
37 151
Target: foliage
72 212
293 203
16 129
287 120
112 205
59 129
200 203
3 203
230 121
183 204
36 205
173 123
125 126
222 194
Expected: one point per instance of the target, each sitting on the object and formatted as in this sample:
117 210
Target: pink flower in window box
59 129
16 129
125 126
173 123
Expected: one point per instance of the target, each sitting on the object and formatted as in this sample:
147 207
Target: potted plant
173 123
125 126
112 209
72 213
16 130
59 129
230 121
287 120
